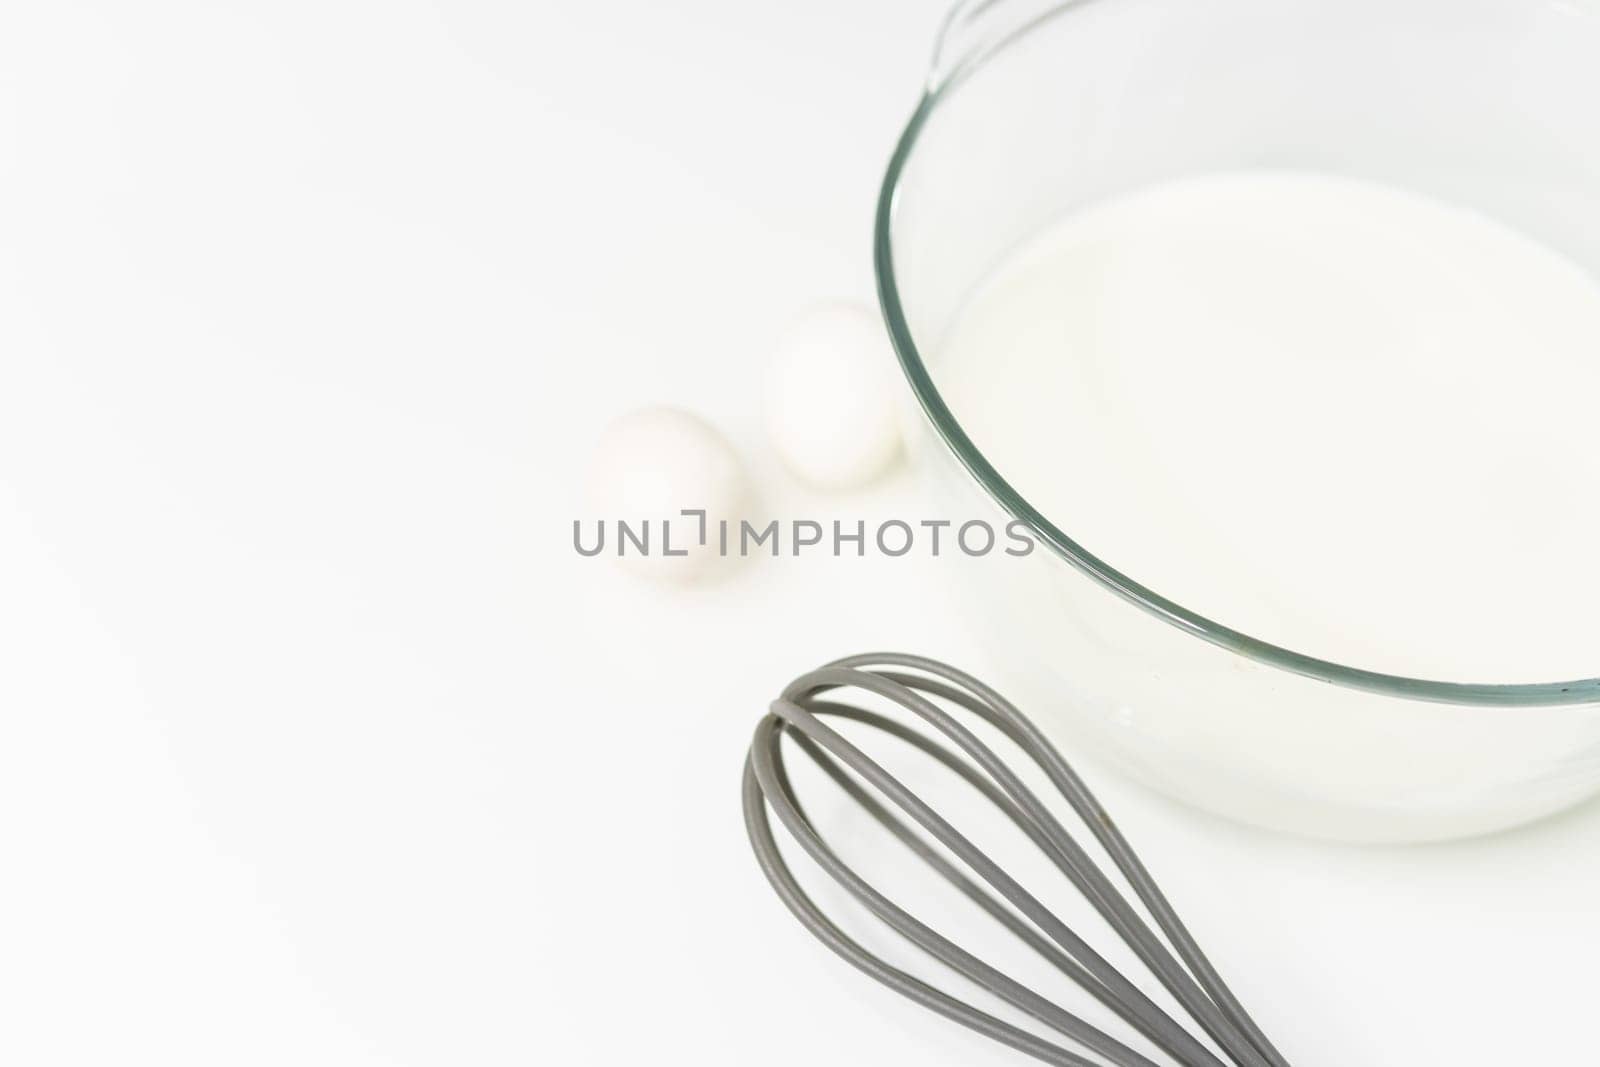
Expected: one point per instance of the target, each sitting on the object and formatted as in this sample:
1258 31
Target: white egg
649 468
832 409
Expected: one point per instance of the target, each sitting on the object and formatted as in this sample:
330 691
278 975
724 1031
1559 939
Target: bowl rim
1578 691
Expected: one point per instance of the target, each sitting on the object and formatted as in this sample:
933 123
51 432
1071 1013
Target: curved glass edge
1580 691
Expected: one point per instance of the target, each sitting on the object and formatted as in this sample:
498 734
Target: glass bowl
1033 110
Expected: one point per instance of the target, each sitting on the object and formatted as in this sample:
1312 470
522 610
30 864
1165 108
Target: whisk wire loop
798 715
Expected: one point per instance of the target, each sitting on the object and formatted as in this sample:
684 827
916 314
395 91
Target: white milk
1336 416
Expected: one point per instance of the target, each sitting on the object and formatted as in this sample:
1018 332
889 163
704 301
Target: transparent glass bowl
1034 109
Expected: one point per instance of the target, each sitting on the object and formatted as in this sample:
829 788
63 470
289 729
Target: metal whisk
800 713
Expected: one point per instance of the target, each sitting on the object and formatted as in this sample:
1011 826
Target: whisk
800 713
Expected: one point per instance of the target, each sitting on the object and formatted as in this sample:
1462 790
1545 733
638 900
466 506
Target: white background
318 743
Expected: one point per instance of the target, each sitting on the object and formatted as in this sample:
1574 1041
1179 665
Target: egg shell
648 467
832 404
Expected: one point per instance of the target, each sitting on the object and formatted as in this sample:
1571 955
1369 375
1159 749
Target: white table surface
318 744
